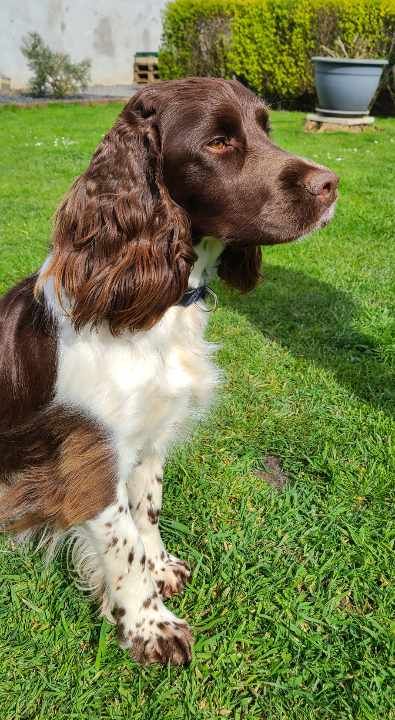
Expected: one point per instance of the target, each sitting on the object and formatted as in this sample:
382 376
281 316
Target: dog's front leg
145 501
145 625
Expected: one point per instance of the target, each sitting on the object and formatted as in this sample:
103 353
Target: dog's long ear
239 266
122 249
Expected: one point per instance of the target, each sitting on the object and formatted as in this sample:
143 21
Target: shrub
268 44
53 72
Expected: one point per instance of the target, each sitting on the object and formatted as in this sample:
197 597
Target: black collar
193 295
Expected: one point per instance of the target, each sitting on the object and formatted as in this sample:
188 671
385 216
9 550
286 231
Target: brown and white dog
102 354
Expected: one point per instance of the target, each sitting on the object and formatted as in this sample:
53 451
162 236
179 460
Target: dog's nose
322 183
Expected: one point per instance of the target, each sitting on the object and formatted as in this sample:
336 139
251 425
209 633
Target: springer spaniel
103 358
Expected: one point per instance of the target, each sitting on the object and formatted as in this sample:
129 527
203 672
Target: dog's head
186 158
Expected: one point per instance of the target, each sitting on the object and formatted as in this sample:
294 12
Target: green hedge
268 43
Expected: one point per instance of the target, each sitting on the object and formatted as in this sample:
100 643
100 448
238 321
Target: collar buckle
193 295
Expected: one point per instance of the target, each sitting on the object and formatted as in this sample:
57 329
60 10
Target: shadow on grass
316 321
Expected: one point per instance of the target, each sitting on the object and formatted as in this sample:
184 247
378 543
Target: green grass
291 597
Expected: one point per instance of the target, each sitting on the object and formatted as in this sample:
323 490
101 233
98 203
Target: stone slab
336 120
326 123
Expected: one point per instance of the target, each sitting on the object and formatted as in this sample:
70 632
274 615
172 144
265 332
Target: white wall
109 33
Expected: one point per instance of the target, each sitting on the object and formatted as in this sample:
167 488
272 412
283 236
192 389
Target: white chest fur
143 387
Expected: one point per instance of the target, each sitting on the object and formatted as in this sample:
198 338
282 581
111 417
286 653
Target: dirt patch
273 473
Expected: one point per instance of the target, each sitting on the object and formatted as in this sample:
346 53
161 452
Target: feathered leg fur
145 502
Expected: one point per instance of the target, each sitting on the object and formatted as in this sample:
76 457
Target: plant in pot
347 78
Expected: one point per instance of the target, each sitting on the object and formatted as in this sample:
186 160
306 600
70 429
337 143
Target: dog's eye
220 144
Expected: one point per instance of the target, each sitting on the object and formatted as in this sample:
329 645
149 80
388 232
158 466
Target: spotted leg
145 625
145 498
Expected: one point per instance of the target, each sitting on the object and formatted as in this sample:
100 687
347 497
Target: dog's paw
171 576
155 634
166 642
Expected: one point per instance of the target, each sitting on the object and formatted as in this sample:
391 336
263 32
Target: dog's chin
323 221
326 217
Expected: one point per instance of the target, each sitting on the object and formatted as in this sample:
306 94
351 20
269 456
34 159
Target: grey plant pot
346 86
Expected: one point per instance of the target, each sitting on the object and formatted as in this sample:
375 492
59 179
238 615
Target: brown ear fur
239 266
122 249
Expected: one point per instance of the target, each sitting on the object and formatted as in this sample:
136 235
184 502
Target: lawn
291 595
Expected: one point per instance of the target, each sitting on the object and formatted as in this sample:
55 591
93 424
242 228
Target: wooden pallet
145 68
5 82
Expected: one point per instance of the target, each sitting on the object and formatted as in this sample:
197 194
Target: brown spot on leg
121 632
118 612
153 515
